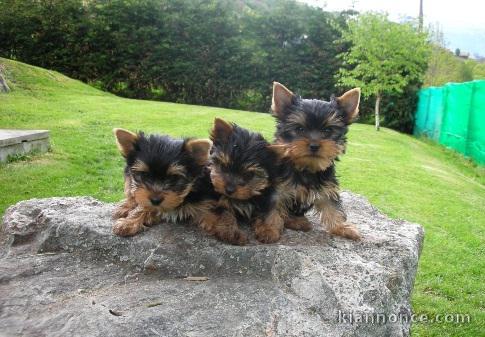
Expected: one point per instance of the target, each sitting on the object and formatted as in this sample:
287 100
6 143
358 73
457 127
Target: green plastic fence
454 115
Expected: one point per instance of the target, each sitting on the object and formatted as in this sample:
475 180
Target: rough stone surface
62 273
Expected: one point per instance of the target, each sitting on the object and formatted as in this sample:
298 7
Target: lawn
404 177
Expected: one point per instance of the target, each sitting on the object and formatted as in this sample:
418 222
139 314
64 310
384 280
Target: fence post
469 126
428 104
445 112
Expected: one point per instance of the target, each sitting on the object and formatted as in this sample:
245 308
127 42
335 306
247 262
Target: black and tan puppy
165 179
310 135
243 171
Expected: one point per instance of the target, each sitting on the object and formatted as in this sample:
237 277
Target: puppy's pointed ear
282 98
221 131
349 102
125 140
199 149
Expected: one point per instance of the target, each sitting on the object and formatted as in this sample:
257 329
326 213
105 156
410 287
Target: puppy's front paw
299 223
237 237
125 227
120 212
267 234
348 231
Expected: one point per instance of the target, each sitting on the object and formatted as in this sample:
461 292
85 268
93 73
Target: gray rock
63 273
3 83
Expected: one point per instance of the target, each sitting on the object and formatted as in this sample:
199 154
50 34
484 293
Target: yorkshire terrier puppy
243 171
310 135
165 179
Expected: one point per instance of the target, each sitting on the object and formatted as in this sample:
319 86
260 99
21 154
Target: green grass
405 177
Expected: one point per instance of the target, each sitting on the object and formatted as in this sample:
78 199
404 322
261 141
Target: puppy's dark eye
326 129
300 129
143 177
249 175
176 178
136 178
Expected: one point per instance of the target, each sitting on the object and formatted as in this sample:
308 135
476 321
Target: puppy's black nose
156 201
314 147
230 189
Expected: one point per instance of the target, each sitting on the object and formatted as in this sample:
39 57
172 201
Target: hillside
403 176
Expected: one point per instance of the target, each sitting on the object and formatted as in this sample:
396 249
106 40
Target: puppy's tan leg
122 211
298 223
127 205
134 223
334 218
269 228
223 225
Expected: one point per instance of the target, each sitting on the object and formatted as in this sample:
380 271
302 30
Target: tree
384 57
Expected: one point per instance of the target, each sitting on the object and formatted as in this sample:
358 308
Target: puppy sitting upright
243 171
310 135
165 178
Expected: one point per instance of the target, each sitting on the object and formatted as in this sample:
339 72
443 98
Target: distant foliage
479 71
444 67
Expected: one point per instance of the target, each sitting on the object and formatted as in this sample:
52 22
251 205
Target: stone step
17 142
